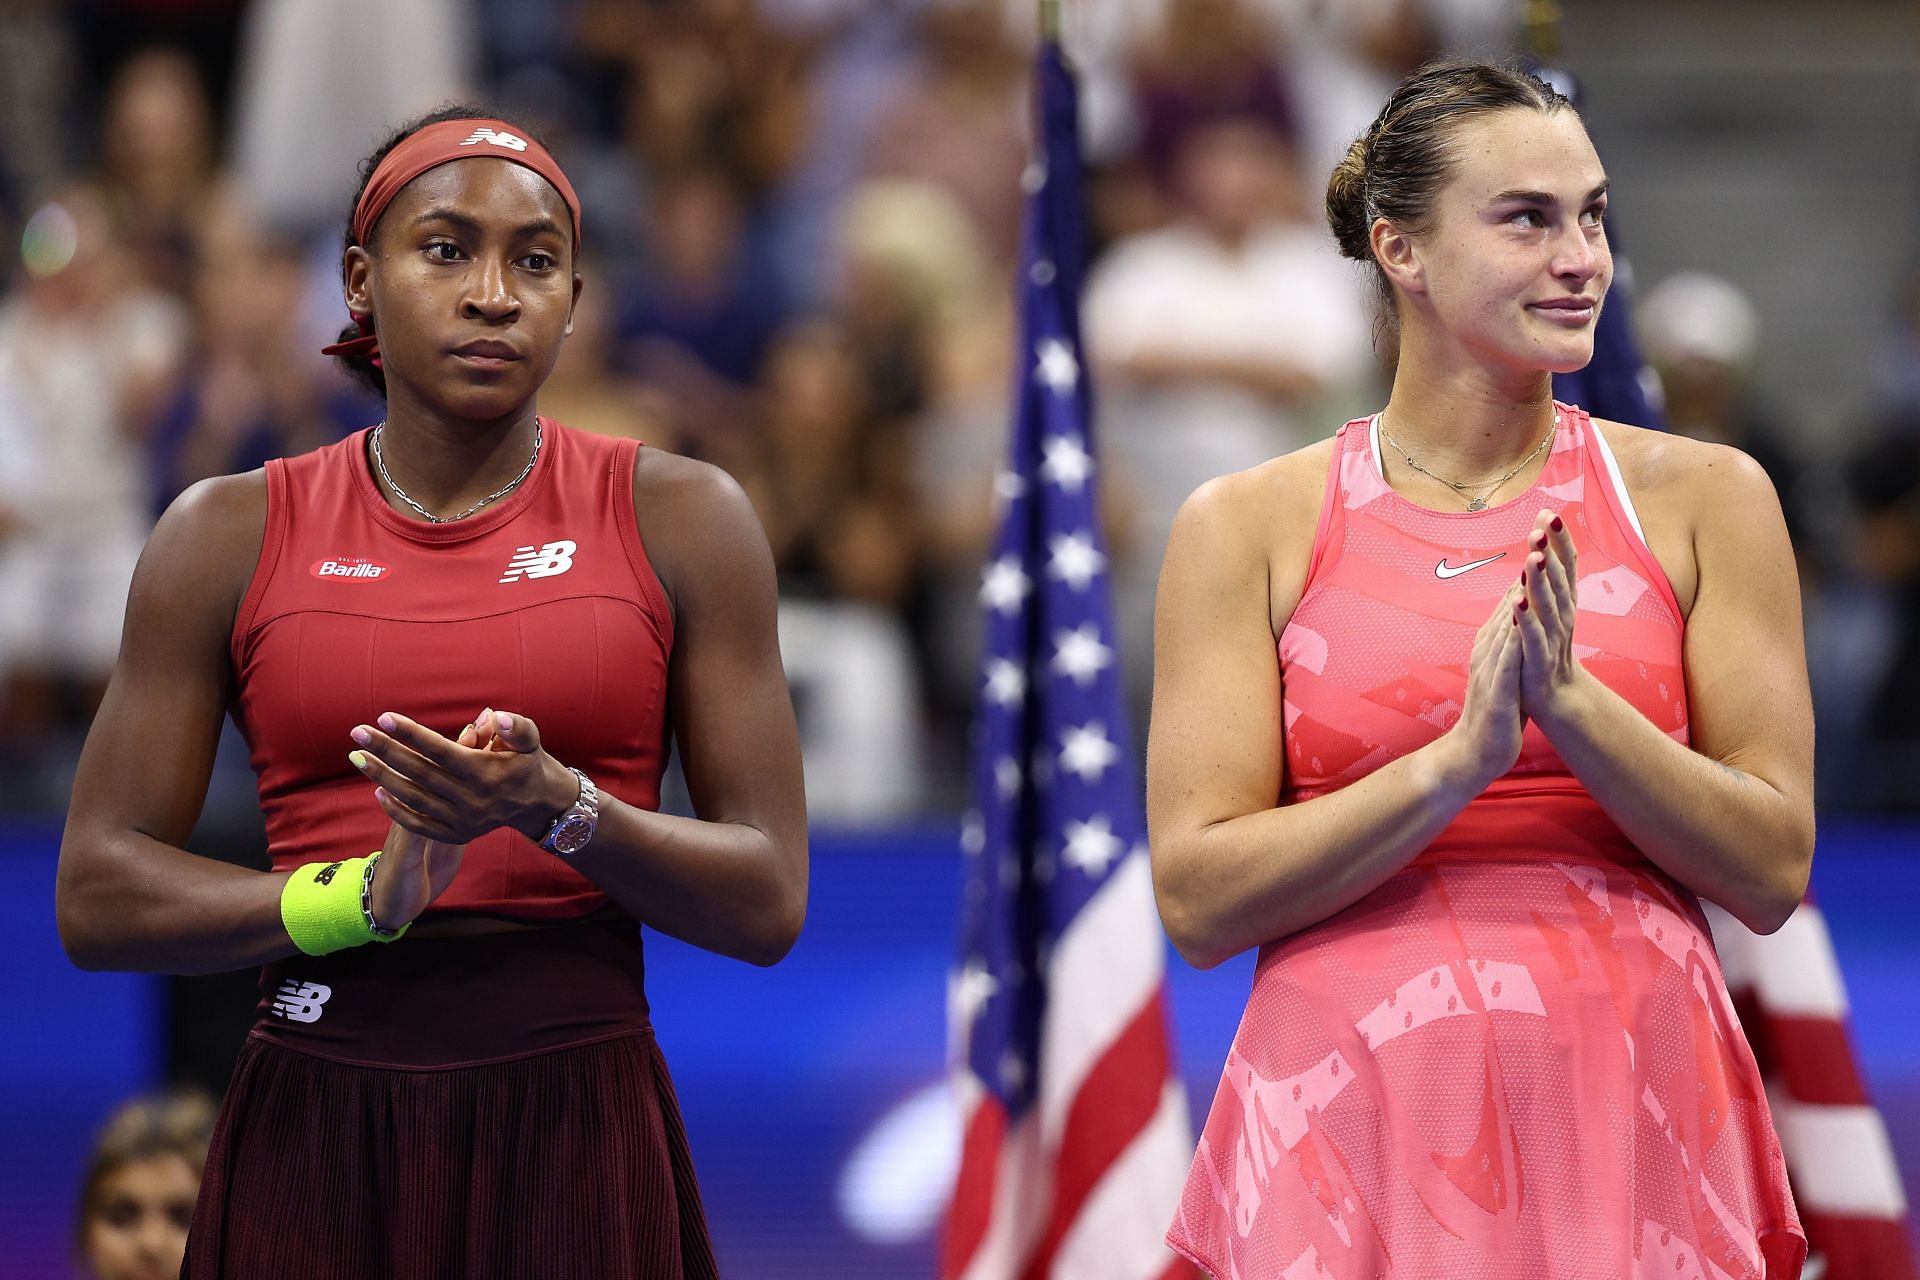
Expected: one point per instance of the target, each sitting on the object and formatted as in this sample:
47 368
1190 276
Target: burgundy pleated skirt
489 1106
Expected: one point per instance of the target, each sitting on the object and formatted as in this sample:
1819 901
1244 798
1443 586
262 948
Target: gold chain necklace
1478 503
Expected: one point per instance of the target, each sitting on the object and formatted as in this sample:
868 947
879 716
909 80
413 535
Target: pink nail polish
387 722
362 735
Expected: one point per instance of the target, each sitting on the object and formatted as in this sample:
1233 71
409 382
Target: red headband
429 148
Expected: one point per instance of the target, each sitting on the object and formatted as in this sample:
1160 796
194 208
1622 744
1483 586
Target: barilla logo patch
355 567
499 138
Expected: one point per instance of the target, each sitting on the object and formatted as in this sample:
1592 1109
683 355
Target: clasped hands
443 792
1523 667
454 790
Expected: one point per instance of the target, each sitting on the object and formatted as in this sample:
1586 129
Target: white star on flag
1008 485
1080 655
1058 371
1006 682
1087 752
1075 561
1067 464
1006 776
1013 1072
969 990
1004 585
973 833
1091 845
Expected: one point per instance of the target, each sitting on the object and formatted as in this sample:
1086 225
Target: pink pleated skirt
1493 1070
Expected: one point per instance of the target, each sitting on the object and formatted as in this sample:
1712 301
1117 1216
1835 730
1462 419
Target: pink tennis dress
1516 1059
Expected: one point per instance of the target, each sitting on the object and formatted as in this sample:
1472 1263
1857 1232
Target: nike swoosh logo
1445 570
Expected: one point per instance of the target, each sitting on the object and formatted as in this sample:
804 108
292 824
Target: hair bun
1347 203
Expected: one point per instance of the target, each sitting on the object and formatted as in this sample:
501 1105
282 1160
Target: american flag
1075 1129
1787 985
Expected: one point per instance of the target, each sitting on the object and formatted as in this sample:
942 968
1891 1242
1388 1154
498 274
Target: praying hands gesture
1544 618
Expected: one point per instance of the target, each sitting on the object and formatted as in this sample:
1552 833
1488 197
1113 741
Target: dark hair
178 1123
361 368
1396 167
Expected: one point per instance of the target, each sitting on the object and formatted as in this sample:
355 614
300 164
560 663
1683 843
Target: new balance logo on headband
301 1001
541 562
511 142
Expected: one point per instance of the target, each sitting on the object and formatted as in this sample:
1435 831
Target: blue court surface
812 1090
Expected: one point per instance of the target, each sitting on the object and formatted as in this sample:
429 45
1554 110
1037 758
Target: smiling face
469 278
1512 268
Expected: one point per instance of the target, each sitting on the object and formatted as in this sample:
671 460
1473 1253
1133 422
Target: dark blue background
781 1072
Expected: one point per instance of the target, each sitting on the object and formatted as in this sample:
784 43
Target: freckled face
137 1228
1515 265
470 280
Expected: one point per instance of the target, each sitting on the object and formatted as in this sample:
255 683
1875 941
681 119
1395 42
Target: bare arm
733 880
1232 870
1732 816
128 895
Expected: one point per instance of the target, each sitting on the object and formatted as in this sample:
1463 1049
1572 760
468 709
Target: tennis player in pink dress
1457 716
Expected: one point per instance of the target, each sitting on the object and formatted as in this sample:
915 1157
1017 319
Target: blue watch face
572 835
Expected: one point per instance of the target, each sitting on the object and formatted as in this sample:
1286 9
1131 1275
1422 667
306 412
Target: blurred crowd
801 222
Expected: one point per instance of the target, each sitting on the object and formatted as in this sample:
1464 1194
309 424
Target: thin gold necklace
1477 503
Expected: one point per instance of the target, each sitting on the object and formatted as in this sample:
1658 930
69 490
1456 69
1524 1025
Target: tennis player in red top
1457 716
458 644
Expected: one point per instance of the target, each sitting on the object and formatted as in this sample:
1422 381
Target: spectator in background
157 170
1208 60
137 1199
1885 481
703 297
1702 336
829 484
961 126
1228 337
251 389
85 348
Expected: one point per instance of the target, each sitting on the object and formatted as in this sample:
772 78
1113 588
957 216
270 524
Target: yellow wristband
323 906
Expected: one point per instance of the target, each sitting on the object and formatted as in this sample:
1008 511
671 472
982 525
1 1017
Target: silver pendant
1478 504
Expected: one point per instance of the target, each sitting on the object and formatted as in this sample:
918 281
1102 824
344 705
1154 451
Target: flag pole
1543 29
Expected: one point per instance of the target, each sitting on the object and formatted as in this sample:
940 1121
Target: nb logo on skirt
301 1001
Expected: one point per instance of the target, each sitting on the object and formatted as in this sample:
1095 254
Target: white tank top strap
1610 468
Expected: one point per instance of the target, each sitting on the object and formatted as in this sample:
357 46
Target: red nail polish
1542 543
1523 606
1558 525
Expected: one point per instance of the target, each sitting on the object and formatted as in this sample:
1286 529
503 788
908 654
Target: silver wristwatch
572 830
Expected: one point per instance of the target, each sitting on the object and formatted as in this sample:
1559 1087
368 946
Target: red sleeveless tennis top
543 604
1374 661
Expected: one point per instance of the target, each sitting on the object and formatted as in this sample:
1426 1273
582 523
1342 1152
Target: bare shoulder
1256 526
209 538
1269 504
695 520
1682 468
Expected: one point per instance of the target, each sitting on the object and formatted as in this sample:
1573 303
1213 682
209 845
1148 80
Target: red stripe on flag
1860 1248
972 1208
1118 1099
1813 1057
